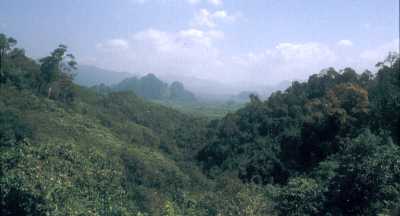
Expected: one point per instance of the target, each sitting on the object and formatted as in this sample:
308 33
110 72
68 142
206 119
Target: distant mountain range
91 75
152 88
157 88
212 90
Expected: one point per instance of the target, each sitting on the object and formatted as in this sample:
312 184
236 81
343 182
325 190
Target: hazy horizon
255 43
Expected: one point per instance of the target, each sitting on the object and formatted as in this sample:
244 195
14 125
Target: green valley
326 146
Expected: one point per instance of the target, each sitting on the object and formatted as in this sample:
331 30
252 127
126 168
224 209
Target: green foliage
15 68
301 196
15 199
234 198
52 66
57 180
367 180
98 155
12 129
200 108
385 96
312 130
6 44
56 74
169 209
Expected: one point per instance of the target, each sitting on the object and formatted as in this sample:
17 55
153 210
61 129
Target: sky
260 42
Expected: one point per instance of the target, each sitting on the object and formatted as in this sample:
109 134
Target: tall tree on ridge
56 66
6 44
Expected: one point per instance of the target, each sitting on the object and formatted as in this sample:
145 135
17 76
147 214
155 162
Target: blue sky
253 41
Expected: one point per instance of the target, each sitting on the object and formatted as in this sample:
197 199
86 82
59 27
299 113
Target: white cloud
366 26
215 2
193 52
114 44
304 51
346 43
203 18
159 39
139 1
186 52
286 61
221 15
215 34
170 41
193 1
210 19
200 37
212 2
378 53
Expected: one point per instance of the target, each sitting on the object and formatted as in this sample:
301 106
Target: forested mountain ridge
152 88
149 86
328 146
173 95
332 143
87 75
67 150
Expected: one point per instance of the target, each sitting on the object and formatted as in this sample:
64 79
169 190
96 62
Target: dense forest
326 146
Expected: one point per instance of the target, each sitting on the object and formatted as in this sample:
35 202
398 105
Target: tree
340 113
389 60
235 198
349 101
6 44
368 177
385 99
301 196
57 67
349 75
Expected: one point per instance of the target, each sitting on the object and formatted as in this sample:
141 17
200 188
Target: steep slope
121 144
87 75
70 150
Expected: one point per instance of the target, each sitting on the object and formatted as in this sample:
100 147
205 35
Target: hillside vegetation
328 146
